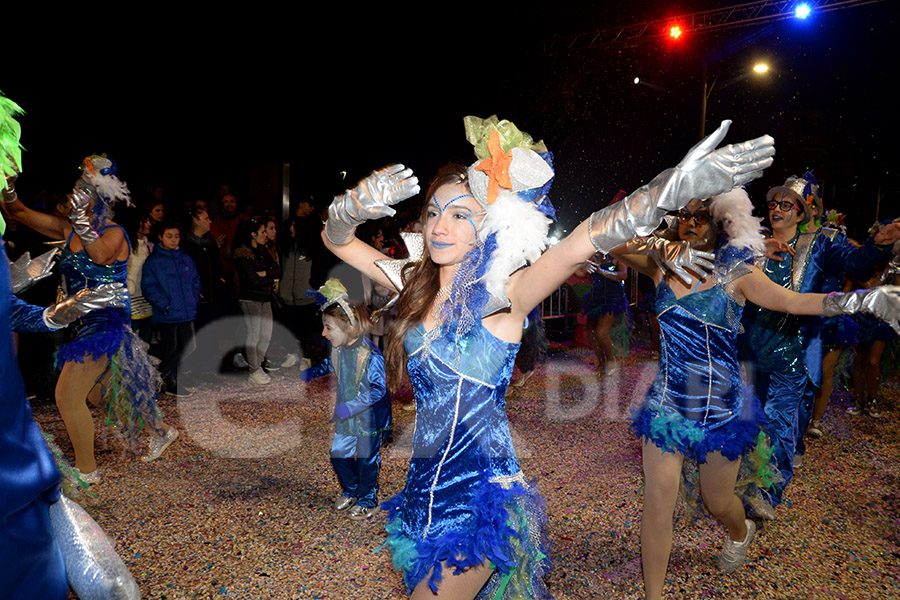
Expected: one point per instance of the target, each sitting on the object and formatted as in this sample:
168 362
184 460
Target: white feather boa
735 212
521 238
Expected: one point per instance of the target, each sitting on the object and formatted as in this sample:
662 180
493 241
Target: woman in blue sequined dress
96 252
603 306
468 523
698 406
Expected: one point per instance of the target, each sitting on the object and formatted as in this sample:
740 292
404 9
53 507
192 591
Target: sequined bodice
462 433
81 272
699 375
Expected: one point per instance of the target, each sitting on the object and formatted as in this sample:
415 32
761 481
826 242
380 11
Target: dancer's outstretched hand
706 172
25 272
372 198
674 257
84 301
883 302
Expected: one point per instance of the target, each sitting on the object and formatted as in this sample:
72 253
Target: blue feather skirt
508 531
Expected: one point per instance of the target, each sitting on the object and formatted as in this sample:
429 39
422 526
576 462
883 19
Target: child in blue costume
698 407
468 524
103 351
362 410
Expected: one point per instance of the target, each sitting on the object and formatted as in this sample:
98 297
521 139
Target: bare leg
603 346
662 474
859 376
872 367
74 384
823 394
717 478
464 586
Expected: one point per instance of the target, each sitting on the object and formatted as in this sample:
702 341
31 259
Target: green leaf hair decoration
10 133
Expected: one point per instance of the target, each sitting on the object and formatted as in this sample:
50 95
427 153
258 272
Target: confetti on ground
240 506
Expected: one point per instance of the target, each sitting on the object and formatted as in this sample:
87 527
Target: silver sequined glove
703 173
370 199
84 301
673 256
892 270
79 216
25 272
883 302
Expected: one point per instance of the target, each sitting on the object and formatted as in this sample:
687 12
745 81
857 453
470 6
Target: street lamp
758 69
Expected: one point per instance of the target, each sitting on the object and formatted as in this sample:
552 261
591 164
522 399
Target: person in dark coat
171 283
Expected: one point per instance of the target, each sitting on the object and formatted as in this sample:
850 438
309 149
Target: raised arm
762 291
704 172
371 199
882 302
104 249
56 228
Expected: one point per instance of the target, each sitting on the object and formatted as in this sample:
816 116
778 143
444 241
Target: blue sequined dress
99 332
130 394
606 295
466 500
698 403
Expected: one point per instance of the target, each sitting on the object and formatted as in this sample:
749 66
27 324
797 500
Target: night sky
188 103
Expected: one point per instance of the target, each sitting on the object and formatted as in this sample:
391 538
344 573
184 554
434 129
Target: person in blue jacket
170 282
786 350
363 407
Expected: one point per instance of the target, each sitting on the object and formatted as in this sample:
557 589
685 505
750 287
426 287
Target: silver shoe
360 513
343 503
734 553
815 430
159 444
872 409
91 478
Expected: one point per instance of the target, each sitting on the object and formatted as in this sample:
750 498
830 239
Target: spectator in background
257 281
300 310
156 210
226 224
141 248
171 283
200 245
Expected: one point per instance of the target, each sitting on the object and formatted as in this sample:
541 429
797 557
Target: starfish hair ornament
333 292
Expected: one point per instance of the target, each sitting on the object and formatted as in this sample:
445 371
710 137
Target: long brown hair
420 285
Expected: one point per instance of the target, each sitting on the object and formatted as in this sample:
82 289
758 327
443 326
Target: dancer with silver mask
468 523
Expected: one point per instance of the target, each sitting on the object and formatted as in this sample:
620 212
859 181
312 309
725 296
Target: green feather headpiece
10 133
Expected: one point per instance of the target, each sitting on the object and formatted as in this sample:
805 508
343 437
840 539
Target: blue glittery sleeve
319 370
26 318
372 388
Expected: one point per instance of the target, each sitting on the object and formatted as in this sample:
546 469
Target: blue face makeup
467 217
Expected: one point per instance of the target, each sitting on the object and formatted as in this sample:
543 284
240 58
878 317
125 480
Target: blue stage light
802 11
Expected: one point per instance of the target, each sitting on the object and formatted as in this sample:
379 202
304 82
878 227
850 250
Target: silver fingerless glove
673 256
882 302
84 301
370 199
79 208
703 173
